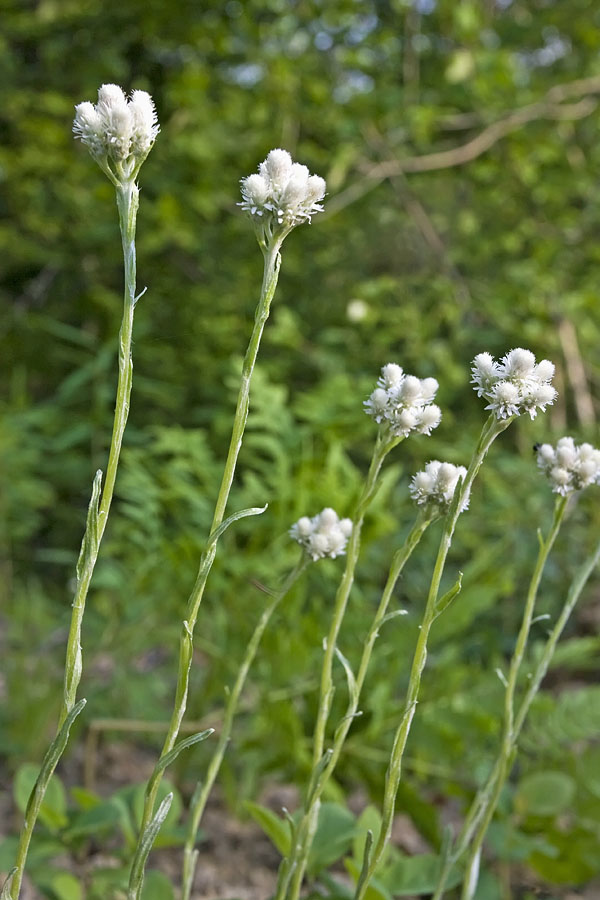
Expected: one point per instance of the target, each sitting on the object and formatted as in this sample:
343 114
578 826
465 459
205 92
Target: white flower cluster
514 385
282 194
323 535
569 467
118 129
404 402
434 487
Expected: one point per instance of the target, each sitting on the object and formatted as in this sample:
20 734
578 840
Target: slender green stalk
203 790
509 732
434 606
298 858
127 203
272 261
292 868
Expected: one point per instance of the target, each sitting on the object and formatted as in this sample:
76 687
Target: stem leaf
91 538
170 757
449 596
242 514
136 880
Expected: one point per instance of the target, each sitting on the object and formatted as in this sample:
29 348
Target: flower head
434 487
323 535
119 133
283 194
514 385
569 467
403 403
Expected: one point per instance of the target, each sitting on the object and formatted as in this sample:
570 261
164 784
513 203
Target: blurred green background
420 259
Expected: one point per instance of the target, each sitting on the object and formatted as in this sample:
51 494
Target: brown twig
582 396
551 107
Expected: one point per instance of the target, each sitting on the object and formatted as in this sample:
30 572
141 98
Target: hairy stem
127 204
204 788
509 732
491 430
272 261
298 858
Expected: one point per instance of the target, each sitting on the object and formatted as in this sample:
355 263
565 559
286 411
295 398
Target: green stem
510 732
272 261
298 858
127 203
292 868
201 796
491 430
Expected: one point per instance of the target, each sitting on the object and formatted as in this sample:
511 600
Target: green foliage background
498 252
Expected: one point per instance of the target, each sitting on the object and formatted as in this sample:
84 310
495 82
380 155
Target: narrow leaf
242 514
136 880
449 596
170 757
89 544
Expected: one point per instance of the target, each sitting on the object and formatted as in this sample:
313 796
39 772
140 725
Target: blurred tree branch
551 107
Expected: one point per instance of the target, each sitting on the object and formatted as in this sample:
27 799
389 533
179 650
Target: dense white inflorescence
569 467
282 194
435 486
404 403
117 129
516 384
323 535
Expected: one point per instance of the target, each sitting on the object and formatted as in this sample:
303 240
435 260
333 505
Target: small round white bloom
287 195
429 388
294 193
429 418
327 519
276 168
318 545
546 454
435 486
505 397
518 364
588 472
346 527
255 192
336 542
405 421
118 132
392 375
410 390
566 454
304 526
545 370
315 189
586 451
376 405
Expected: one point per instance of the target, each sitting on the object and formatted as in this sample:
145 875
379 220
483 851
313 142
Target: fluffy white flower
403 403
515 385
283 194
568 467
323 535
118 131
435 486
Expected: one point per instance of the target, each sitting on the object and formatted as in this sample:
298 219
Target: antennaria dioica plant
568 468
119 134
280 196
515 385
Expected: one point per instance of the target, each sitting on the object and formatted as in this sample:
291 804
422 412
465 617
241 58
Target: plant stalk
272 261
298 858
203 790
510 733
490 432
127 204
